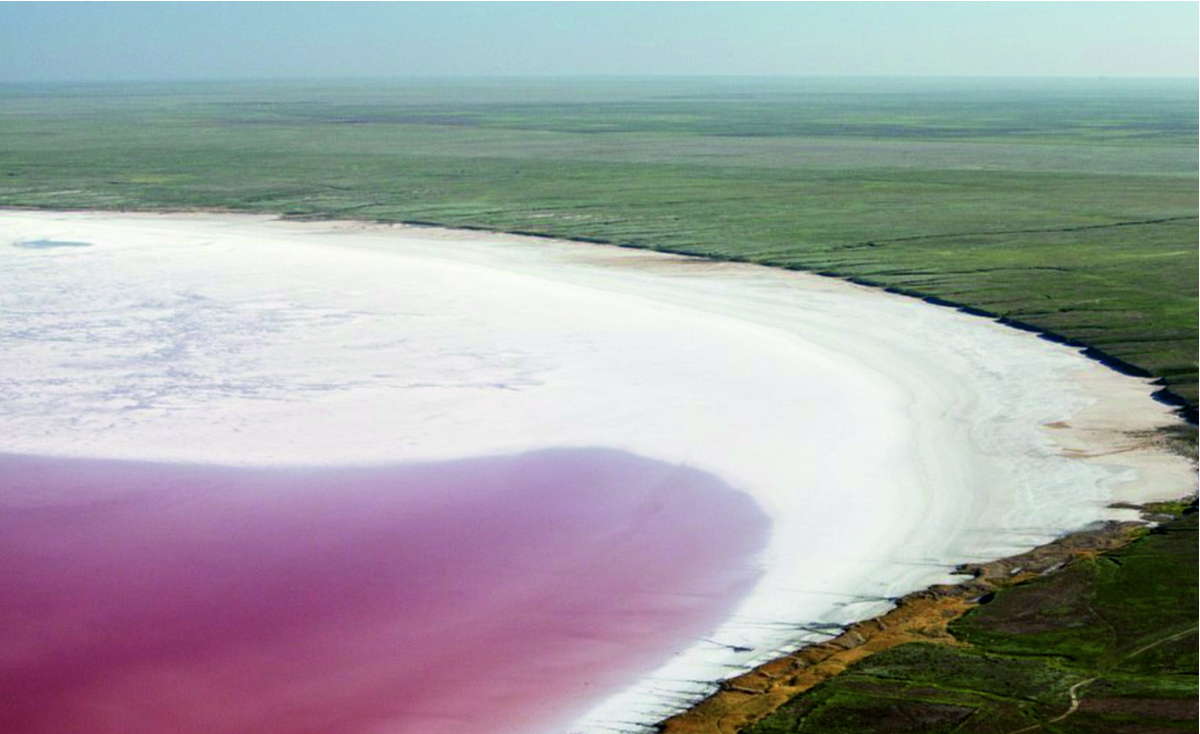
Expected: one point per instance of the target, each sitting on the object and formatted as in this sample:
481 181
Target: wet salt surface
494 594
49 244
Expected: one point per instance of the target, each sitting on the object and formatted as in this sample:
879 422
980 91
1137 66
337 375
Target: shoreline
919 617
693 258
1187 412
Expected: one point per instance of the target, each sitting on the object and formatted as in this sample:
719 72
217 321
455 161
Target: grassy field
1070 206
1067 206
1106 645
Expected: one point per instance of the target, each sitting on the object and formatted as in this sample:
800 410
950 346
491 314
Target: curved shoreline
640 263
920 617
1186 410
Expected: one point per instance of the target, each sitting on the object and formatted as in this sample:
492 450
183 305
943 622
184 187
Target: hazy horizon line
601 77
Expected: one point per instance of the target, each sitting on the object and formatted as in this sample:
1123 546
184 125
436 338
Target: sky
178 41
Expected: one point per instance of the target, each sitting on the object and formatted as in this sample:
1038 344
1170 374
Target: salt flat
886 439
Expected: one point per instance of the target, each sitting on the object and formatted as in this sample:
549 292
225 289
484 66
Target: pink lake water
490 595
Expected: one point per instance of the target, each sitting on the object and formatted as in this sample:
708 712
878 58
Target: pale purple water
474 596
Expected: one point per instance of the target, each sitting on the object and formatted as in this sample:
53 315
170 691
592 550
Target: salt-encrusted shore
887 440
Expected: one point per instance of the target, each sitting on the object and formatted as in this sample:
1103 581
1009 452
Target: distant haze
169 41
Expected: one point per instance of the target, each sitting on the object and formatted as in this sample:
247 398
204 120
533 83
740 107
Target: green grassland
1116 634
1067 206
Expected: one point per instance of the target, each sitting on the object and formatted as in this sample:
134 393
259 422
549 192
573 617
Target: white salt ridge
888 440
